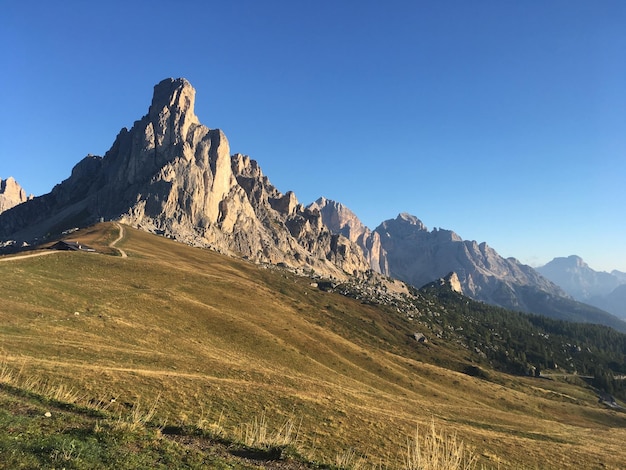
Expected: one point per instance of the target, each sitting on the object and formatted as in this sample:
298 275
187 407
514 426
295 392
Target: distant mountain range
403 248
173 176
601 289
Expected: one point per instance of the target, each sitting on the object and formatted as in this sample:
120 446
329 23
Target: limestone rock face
171 175
296 229
451 281
11 194
339 219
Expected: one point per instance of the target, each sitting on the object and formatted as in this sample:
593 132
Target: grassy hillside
210 339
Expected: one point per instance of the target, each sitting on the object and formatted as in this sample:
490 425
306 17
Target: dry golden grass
259 433
435 450
222 341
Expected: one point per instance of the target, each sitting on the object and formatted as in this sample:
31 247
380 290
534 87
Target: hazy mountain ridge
578 279
418 255
598 288
620 275
614 302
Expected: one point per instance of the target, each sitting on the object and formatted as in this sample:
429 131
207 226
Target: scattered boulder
420 338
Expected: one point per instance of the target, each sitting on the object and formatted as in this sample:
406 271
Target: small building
65 245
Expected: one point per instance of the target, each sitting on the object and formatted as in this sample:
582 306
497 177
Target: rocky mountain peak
171 175
11 194
411 219
569 262
175 94
339 219
575 276
577 261
401 226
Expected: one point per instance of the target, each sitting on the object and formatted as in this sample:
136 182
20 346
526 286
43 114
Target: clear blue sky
504 121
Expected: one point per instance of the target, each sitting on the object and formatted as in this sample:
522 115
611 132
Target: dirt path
32 255
119 238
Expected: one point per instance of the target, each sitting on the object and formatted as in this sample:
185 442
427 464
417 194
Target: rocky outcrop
452 282
171 175
294 229
11 194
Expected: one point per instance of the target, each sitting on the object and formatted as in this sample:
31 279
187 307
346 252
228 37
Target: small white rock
47 414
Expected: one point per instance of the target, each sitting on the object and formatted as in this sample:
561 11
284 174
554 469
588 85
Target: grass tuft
257 433
350 459
51 391
436 451
214 429
138 417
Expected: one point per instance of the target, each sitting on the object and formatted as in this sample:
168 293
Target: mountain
417 256
173 176
341 220
620 275
603 290
613 302
578 279
404 248
11 194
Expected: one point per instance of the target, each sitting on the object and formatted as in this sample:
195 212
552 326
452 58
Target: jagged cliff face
339 219
417 256
171 175
11 194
